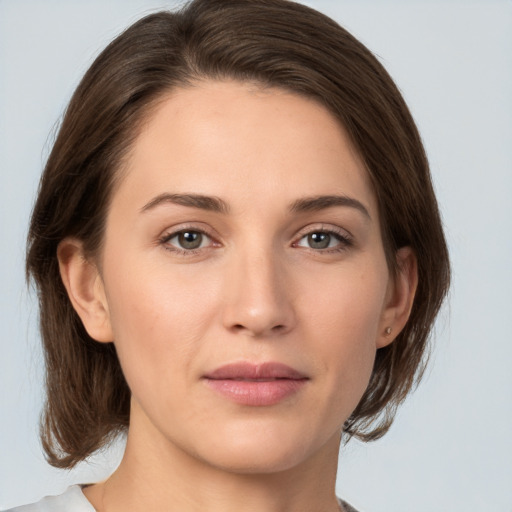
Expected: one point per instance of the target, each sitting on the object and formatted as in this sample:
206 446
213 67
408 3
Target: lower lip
256 393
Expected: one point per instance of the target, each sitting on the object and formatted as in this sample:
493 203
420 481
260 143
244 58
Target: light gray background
450 448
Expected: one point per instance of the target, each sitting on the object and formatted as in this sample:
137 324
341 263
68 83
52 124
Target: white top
73 500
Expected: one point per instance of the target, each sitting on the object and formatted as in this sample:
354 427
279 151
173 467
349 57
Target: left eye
188 240
320 240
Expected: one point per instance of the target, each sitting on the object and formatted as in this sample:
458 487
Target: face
243 277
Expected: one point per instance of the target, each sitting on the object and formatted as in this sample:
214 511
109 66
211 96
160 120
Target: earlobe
85 289
400 297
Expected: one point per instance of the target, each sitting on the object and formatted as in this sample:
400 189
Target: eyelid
170 233
345 237
325 228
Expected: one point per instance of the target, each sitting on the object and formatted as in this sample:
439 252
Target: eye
322 239
186 240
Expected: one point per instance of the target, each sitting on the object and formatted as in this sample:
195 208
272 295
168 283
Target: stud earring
388 330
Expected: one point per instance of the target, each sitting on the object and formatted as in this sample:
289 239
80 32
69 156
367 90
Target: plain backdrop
450 448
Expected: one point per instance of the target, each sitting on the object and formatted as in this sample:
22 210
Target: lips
256 384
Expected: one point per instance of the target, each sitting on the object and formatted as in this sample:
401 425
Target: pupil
190 239
319 240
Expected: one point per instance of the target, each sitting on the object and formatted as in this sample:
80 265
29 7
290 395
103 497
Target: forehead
244 141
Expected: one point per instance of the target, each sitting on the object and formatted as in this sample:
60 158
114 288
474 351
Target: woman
239 258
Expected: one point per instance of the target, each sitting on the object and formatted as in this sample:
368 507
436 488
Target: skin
255 290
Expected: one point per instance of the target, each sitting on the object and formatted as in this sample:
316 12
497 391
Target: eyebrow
318 203
209 203
215 204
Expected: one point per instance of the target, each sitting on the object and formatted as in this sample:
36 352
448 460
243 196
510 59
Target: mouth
256 384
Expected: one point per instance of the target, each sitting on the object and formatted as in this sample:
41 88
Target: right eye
186 240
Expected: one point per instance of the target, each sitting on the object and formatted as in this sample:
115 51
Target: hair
274 43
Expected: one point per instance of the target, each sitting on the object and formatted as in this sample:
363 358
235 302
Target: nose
259 296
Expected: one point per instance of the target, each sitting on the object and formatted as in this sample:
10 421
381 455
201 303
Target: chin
263 450
258 461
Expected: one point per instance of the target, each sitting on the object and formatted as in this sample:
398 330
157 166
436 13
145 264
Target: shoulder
346 507
73 500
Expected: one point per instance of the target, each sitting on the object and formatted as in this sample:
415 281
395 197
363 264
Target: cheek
158 319
345 322
146 293
347 304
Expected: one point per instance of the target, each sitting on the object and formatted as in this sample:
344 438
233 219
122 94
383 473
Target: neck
157 475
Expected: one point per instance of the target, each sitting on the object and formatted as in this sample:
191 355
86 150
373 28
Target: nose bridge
259 300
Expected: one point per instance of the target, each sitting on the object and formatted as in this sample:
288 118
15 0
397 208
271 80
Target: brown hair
275 43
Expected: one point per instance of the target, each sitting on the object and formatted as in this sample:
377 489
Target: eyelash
345 241
164 241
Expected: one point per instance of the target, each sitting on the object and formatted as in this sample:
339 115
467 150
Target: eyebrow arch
317 203
210 203
215 204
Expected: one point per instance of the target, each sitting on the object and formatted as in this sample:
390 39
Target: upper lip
251 371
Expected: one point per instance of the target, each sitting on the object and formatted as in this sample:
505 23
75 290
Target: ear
85 289
399 297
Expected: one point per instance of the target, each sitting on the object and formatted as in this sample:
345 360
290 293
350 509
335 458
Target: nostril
275 329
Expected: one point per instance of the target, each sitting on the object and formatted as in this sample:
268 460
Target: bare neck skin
159 476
